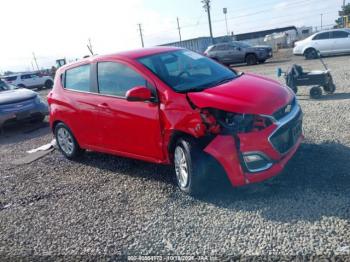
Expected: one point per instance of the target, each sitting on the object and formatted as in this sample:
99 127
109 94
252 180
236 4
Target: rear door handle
103 105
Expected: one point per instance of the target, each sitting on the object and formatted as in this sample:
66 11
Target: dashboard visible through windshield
186 71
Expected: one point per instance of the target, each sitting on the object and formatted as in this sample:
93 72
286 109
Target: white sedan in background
331 42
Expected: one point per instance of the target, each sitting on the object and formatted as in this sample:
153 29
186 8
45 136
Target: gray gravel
105 205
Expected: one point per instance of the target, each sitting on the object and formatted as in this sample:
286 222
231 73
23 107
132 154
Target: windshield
186 71
4 86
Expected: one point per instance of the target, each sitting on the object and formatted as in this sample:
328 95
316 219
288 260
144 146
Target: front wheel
310 53
188 162
66 142
251 59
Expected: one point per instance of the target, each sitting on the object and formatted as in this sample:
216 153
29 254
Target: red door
130 128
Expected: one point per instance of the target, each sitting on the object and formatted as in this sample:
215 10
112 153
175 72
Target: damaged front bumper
270 148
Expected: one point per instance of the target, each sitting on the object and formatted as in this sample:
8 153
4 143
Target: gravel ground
105 205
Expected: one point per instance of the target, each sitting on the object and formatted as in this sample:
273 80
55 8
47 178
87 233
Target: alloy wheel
181 167
65 141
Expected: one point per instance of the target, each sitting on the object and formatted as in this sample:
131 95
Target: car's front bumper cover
23 112
229 150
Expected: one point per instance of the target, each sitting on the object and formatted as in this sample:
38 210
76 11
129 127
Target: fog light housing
256 161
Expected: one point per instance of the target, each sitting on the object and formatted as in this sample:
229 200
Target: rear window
10 78
78 78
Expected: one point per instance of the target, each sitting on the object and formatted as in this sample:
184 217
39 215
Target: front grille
285 110
286 136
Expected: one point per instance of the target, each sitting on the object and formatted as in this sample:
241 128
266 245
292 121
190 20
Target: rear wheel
188 162
66 142
48 84
315 92
310 53
251 59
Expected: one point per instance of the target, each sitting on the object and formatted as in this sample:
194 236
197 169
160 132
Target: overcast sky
57 29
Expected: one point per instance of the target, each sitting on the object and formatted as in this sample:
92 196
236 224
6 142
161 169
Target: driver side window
116 78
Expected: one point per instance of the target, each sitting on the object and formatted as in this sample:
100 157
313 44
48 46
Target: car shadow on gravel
315 183
129 167
20 132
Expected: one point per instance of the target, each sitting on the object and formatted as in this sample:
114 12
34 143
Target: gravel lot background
105 205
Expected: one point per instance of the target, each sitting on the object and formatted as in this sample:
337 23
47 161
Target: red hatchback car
172 106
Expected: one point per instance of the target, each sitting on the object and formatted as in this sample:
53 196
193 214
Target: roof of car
131 54
137 53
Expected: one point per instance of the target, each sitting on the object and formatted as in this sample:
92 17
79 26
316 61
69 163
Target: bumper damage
234 151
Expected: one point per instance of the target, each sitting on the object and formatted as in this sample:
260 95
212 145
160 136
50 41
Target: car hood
247 94
16 95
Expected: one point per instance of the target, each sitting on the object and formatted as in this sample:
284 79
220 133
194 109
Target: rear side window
78 78
321 36
11 78
339 34
117 78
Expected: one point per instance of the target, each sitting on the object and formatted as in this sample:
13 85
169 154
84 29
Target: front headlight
239 123
39 100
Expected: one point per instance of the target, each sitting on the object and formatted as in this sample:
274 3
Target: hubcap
181 167
65 141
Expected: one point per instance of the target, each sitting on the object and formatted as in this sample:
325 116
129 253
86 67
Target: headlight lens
39 100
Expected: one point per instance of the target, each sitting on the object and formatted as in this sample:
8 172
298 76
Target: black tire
197 183
21 86
48 84
295 89
251 59
262 61
330 87
38 119
310 53
315 92
76 150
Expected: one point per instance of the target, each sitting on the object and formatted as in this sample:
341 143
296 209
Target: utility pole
321 22
36 62
178 28
207 9
225 13
89 46
140 29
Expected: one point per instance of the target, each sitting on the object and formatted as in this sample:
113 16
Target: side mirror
279 72
139 93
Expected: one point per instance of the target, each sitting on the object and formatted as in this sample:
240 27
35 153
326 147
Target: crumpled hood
16 95
247 94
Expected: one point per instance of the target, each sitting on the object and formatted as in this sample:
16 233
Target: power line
140 29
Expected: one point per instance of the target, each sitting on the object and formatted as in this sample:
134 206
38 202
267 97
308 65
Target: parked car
30 80
20 104
172 106
329 42
238 52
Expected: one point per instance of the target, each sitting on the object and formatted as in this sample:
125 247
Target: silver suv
238 52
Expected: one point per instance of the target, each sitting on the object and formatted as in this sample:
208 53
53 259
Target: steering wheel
183 72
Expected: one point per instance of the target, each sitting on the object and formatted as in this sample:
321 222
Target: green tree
345 10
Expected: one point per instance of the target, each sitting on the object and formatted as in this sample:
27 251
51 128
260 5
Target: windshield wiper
223 81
